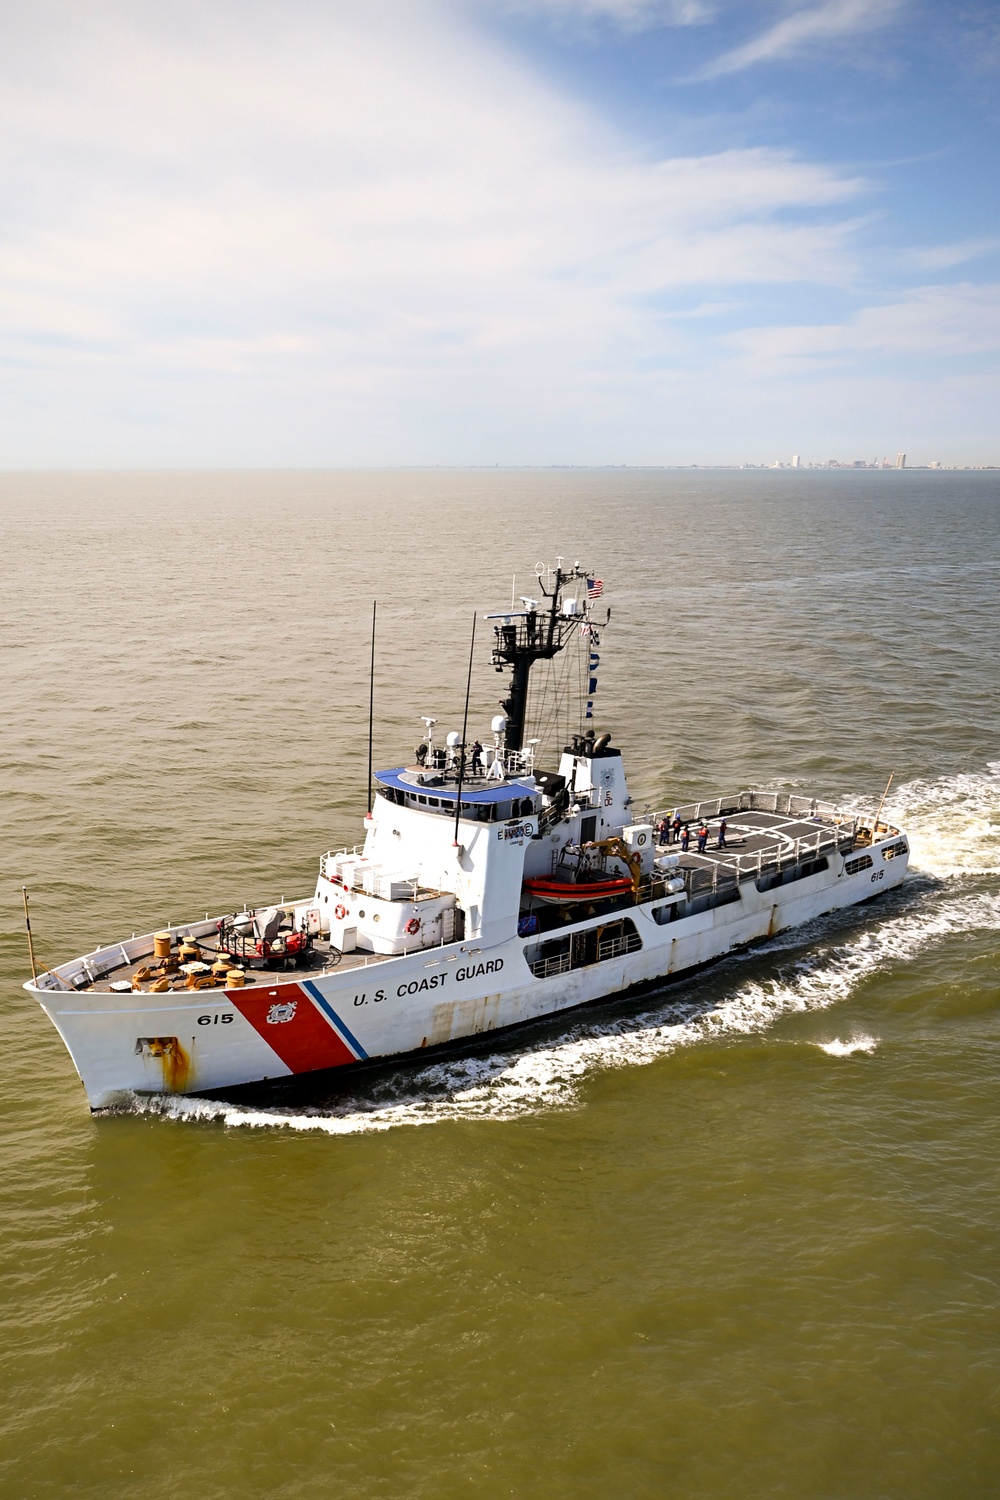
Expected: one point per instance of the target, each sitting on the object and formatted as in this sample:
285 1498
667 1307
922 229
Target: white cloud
833 20
932 322
631 15
943 257
322 233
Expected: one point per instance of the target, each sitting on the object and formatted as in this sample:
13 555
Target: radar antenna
537 633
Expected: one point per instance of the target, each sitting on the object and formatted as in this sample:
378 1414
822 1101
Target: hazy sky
281 232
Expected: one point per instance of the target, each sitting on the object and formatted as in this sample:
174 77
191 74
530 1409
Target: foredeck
117 966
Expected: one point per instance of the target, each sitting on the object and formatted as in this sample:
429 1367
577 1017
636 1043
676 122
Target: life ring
340 912
413 925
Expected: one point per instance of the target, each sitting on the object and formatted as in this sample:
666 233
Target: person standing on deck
477 758
722 834
685 838
702 836
676 826
663 832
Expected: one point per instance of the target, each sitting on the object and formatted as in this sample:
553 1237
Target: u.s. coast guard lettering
475 971
500 881
434 981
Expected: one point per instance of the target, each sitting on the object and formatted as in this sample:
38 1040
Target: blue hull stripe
332 1016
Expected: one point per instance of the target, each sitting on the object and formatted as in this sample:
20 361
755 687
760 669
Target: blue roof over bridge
503 791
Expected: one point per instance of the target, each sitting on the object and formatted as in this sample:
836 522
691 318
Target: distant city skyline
524 232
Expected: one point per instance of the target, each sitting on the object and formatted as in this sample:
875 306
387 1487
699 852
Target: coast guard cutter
489 891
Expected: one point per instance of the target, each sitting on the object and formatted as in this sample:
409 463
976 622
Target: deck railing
715 875
836 832
614 947
545 968
778 803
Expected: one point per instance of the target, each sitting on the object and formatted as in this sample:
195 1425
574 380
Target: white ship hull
204 1041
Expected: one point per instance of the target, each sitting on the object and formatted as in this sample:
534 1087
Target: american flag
595 588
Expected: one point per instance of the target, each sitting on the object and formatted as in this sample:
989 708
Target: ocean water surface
737 1238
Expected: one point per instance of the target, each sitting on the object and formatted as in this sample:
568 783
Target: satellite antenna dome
452 738
498 724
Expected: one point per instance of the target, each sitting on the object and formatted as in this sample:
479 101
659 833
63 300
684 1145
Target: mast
465 730
536 634
371 708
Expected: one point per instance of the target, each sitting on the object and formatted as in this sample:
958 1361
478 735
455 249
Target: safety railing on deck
785 804
614 947
544 968
836 832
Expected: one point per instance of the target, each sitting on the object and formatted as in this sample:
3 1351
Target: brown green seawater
739 1238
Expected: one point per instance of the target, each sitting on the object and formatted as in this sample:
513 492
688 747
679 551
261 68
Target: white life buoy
340 912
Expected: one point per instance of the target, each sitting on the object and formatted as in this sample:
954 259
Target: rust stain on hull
175 1060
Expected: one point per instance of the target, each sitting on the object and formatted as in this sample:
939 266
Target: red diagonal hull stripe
304 1043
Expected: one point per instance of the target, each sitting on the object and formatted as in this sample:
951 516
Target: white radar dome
452 738
498 724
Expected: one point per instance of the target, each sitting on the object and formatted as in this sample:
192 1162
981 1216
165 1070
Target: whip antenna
465 725
882 803
27 923
371 707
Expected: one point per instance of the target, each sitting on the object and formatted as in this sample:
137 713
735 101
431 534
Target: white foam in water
954 831
837 1048
953 824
